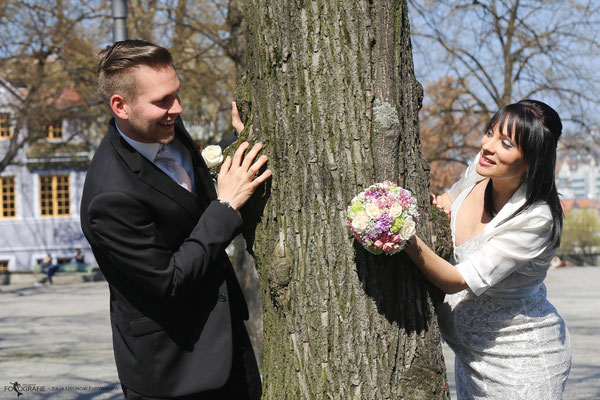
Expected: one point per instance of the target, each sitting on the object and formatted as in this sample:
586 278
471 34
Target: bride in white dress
506 221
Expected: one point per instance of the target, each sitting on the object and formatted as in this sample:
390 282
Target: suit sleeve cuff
228 140
217 227
230 217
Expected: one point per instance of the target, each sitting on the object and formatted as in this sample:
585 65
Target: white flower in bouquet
360 222
372 210
395 210
408 229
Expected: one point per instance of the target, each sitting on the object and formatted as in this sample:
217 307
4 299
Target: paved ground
575 294
58 338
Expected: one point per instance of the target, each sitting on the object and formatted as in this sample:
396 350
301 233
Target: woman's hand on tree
442 201
236 121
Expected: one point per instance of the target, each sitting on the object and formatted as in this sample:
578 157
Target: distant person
159 231
48 268
79 257
506 221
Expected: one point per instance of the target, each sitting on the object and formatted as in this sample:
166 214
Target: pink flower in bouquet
397 238
383 202
388 247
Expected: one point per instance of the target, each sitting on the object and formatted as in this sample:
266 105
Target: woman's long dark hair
536 128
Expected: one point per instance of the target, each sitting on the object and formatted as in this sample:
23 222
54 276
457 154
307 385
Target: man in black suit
159 231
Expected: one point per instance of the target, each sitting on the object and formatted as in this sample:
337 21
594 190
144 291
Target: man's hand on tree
236 181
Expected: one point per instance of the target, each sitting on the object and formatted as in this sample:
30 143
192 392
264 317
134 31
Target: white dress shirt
179 151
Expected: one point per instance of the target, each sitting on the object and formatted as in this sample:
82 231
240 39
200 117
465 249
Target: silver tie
165 158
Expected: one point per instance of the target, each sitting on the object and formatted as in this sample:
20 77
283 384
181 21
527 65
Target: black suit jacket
173 293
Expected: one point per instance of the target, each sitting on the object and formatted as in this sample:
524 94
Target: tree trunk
333 97
236 44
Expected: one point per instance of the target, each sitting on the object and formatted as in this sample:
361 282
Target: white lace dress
509 341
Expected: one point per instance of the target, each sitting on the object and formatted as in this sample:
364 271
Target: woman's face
501 158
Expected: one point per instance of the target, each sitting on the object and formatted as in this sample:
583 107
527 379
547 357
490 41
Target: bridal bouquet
383 218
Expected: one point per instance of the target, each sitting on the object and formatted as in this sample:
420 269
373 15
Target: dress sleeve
470 177
523 239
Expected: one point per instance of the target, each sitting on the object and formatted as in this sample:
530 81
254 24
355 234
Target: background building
41 189
578 177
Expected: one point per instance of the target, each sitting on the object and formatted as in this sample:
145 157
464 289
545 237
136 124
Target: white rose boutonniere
213 156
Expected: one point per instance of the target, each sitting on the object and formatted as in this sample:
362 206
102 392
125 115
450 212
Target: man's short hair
117 61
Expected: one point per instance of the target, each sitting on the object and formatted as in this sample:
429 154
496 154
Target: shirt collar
148 150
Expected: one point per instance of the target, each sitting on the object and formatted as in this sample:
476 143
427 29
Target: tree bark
331 93
236 44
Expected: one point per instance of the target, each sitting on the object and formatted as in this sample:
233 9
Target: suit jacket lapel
152 175
204 183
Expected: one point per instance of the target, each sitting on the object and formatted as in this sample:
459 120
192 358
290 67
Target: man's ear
118 105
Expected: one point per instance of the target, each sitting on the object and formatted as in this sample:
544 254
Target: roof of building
568 205
11 88
67 98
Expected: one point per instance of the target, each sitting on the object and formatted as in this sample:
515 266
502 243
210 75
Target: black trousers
244 380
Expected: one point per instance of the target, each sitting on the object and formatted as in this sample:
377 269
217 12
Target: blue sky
569 58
